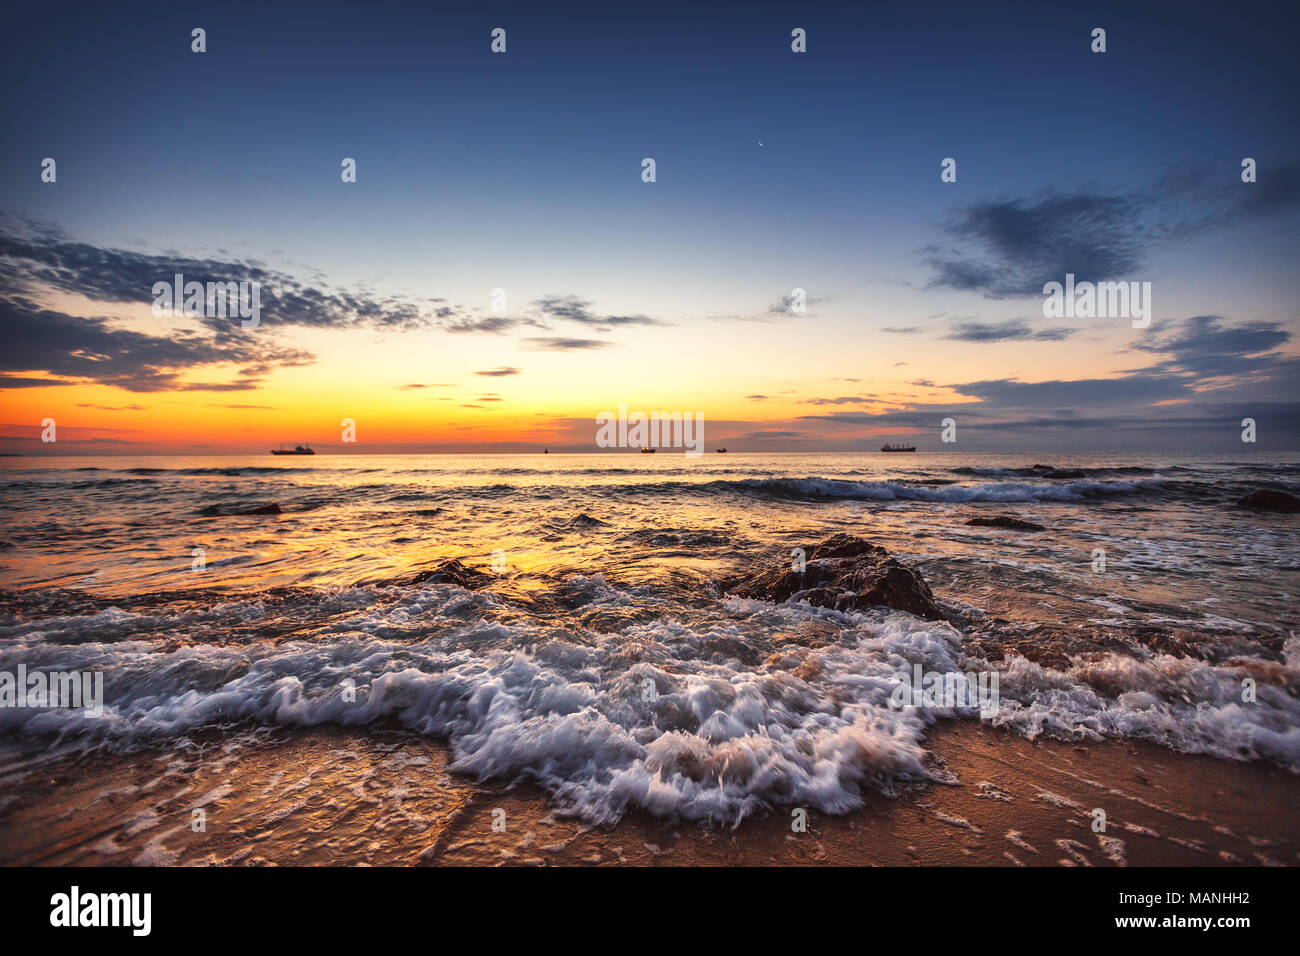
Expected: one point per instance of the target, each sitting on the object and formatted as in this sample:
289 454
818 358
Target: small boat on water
295 450
722 451
898 448
647 450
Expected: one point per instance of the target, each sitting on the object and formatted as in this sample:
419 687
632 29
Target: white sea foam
645 715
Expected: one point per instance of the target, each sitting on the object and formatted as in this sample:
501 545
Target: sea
604 659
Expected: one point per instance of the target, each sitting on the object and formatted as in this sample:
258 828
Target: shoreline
331 796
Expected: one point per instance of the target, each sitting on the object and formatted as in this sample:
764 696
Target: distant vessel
295 450
546 451
722 451
647 450
898 448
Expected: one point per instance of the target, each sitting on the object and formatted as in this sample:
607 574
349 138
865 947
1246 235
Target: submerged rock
1271 501
1047 471
449 572
1006 521
231 511
843 572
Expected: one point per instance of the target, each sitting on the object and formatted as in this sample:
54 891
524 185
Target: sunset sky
522 171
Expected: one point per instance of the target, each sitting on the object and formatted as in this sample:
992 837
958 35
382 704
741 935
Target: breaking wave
702 717
1007 491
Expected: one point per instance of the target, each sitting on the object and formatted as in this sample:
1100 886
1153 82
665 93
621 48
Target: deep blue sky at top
534 156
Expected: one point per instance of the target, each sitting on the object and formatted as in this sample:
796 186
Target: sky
775 171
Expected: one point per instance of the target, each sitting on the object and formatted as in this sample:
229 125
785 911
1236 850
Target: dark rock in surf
1006 521
231 511
1063 645
731 649
1271 501
1047 471
453 572
449 572
843 572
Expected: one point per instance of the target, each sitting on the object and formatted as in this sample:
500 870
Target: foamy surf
709 715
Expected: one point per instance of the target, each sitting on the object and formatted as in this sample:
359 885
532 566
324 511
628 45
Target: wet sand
336 797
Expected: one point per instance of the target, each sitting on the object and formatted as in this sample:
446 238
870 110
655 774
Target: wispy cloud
1206 348
35 256
789 305
1209 375
560 344
491 324
68 348
571 308
1010 330
1010 248
842 400
777 434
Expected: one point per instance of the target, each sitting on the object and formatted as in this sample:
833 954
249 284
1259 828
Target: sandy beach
331 798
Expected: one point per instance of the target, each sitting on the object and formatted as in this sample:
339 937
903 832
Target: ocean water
606 572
